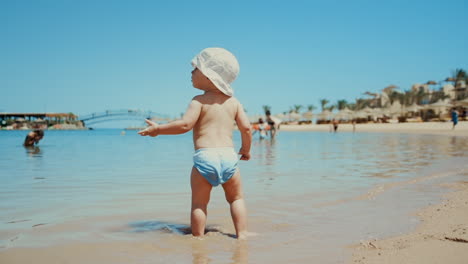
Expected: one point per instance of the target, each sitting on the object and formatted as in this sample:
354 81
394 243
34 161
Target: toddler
212 115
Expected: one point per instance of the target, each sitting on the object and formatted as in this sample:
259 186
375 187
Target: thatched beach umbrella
440 103
344 114
280 116
377 111
413 108
431 82
360 114
396 107
276 120
367 110
462 103
440 106
325 115
308 115
294 116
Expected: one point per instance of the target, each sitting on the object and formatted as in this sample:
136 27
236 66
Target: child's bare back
216 121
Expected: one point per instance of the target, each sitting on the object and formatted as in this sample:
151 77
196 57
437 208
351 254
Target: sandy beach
427 128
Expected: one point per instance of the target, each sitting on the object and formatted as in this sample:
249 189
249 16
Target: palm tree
351 106
390 94
323 103
308 115
389 89
371 94
311 108
409 97
266 109
420 96
362 103
297 108
396 96
438 95
341 104
374 100
459 74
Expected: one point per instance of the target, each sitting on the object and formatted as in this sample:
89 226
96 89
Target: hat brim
214 77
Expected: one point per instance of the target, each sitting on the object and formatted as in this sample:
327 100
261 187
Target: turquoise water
299 184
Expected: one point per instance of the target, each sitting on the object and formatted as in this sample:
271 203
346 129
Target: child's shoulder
204 98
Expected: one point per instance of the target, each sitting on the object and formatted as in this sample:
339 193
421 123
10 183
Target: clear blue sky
89 56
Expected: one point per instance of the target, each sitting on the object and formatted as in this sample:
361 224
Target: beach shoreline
427 128
441 236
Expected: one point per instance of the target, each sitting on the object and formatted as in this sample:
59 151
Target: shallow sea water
309 194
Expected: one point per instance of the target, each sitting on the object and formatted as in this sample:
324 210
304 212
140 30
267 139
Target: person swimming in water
33 138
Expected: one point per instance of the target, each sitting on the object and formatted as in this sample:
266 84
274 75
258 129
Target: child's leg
235 197
201 189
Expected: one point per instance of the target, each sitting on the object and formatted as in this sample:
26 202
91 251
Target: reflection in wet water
241 253
265 152
166 227
214 246
201 253
265 156
346 156
33 151
392 156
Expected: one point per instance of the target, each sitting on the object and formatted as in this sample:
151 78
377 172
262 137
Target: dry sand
432 128
442 237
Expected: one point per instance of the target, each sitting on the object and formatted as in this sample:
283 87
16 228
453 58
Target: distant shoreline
431 128
428 128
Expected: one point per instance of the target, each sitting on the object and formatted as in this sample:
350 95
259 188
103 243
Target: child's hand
244 155
152 129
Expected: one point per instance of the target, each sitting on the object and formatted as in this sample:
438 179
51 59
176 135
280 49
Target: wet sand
442 236
284 236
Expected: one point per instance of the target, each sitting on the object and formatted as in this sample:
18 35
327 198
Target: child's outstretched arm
245 129
176 127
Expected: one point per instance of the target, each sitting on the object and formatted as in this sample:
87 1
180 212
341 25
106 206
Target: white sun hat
220 66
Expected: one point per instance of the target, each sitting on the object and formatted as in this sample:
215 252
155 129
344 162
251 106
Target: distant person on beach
261 128
271 122
33 138
335 125
454 117
211 117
